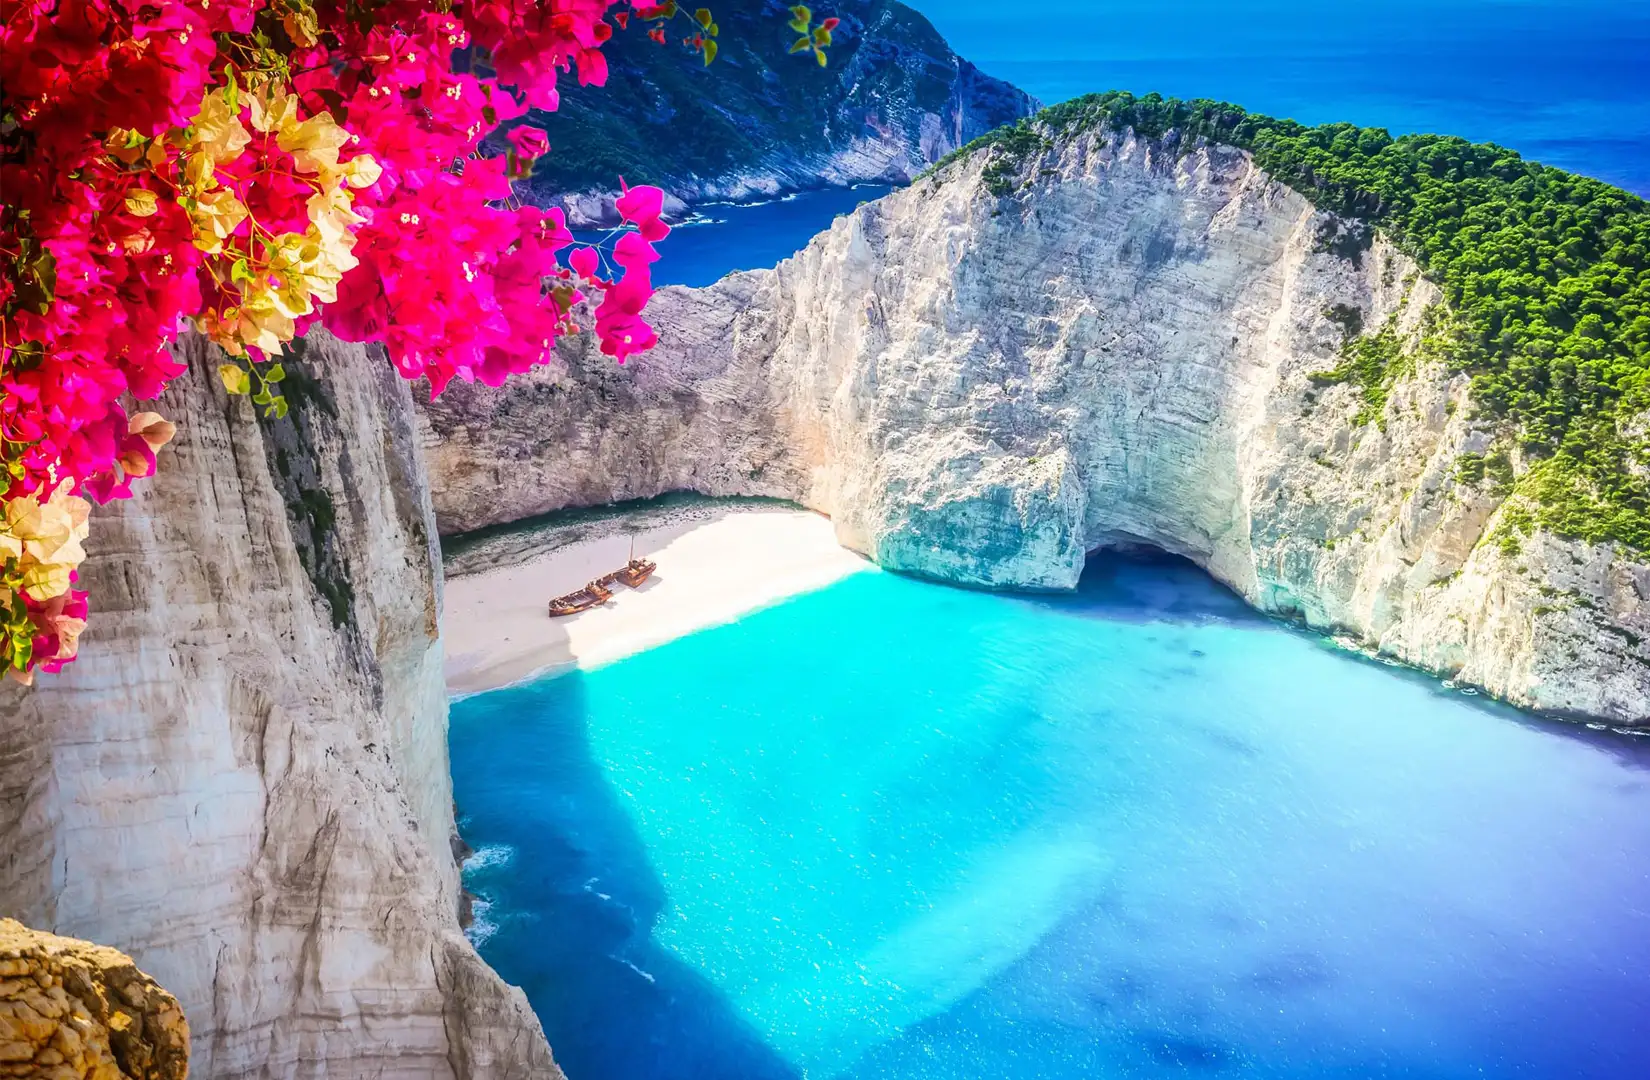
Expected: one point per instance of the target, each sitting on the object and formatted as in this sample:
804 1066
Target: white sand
713 568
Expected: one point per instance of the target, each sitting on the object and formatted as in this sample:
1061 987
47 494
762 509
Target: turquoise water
894 831
891 831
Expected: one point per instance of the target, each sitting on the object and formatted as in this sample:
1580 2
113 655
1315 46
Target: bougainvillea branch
253 167
814 39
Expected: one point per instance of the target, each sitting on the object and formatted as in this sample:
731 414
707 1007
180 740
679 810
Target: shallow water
892 830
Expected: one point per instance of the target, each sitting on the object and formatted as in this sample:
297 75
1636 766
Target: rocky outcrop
760 121
985 378
243 780
71 1010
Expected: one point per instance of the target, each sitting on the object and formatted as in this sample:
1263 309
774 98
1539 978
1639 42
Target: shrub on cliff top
1546 271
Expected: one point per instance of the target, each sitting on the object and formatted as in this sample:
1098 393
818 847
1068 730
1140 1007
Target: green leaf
263 397
801 12
799 25
822 37
274 373
39 283
279 407
240 271
235 379
803 44
819 54
713 30
702 17
710 52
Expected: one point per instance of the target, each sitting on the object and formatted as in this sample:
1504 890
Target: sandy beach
716 563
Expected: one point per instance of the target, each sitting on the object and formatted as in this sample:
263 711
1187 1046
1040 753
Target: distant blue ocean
722 237
895 831
1566 84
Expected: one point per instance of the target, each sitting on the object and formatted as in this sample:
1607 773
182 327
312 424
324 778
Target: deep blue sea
1564 83
895 831
722 237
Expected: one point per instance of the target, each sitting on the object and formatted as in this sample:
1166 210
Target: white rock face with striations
243 781
983 389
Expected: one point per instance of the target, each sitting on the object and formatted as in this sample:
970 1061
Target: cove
896 830
719 238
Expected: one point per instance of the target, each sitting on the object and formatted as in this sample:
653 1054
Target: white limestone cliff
243 782
983 388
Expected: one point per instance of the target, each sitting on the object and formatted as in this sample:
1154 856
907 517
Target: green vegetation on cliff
664 118
1373 362
1544 270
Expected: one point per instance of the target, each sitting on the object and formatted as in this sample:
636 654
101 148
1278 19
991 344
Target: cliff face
71 1010
893 99
243 781
982 388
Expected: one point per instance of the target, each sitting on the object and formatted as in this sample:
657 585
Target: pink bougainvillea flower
530 142
339 183
59 623
633 252
641 206
619 325
584 262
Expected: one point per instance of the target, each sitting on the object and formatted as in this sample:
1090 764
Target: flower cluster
40 537
253 167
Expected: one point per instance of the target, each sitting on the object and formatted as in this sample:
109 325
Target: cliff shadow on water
1138 829
566 899
1139 583
1142 583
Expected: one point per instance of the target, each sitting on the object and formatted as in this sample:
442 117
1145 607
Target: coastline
717 561
594 210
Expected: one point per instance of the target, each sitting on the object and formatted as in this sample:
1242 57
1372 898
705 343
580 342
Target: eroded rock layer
71 1010
983 383
243 780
